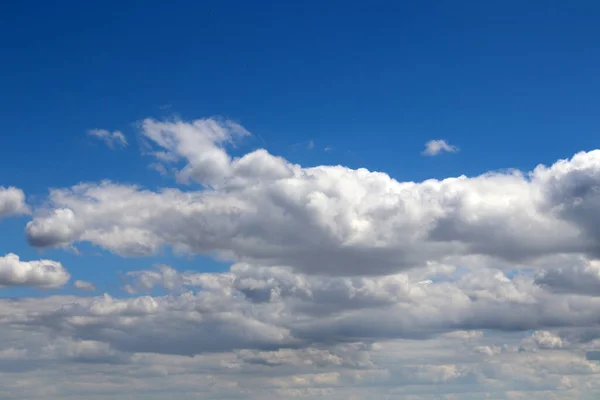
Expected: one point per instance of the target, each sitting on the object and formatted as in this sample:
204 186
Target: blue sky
496 76
360 84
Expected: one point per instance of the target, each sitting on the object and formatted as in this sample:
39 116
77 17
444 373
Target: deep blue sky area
512 83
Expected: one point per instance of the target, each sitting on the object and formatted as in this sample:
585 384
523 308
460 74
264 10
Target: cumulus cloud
435 147
580 276
205 323
343 284
41 273
261 209
111 139
12 202
277 333
265 308
547 340
200 144
138 334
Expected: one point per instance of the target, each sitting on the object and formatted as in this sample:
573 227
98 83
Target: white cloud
336 337
261 209
200 144
344 284
12 202
41 273
265 308
112 139
141 347
435 147
547 340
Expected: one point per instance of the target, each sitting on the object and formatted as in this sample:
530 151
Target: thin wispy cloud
435 147
111 139
84 286
307 145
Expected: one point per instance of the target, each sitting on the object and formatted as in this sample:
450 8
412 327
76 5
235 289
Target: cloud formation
332 220
435 147
111 139
273 333
262 308
41 273
343 284
200 144
12 202
84 286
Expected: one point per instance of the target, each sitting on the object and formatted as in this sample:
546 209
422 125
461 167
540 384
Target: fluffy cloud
258 308
111 139
435 147
41 273
280 334
12 202
200 145
344 284
92 336
547 340
204 323
579 276
260 209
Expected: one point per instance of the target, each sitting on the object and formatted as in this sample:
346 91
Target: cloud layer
270 333
343 283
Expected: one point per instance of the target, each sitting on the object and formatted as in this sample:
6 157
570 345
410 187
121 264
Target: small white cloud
435 147
41 273
85 286
12 202
310 145
547 340
112 139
